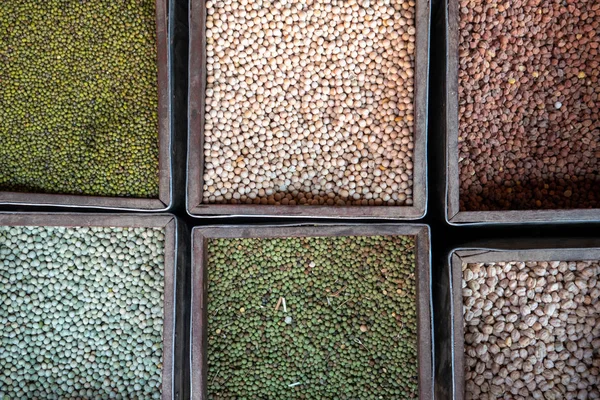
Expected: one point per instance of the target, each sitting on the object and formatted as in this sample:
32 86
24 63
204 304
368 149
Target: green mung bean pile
79 97
81 314
312 318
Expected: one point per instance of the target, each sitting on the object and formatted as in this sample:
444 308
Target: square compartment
449 114
200 322
196 205
164 20
174 369
450 361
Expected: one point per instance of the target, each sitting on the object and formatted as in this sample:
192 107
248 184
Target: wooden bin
449 114
450 327
196 109
164 19
173 371
200 236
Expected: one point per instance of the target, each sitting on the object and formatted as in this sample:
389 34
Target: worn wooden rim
200 235
164 144
196 106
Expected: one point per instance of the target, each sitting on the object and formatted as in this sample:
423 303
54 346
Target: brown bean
529 96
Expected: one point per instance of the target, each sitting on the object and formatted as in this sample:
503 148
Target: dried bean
529 105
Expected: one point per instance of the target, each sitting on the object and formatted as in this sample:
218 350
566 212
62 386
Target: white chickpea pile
309 102
532 330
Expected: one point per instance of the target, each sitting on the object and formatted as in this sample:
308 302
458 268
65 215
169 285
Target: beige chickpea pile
309 102
532 330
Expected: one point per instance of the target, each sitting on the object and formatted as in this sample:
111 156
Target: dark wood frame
196 103
497 251
200 284
169 222
454 215
163 201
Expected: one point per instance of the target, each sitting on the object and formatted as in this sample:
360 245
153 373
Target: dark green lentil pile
79 97
350 330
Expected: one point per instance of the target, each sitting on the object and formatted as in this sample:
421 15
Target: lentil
348 329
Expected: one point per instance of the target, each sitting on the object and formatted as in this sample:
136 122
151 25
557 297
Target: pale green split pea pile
81 314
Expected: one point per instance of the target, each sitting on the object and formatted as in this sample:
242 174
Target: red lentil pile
529 126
